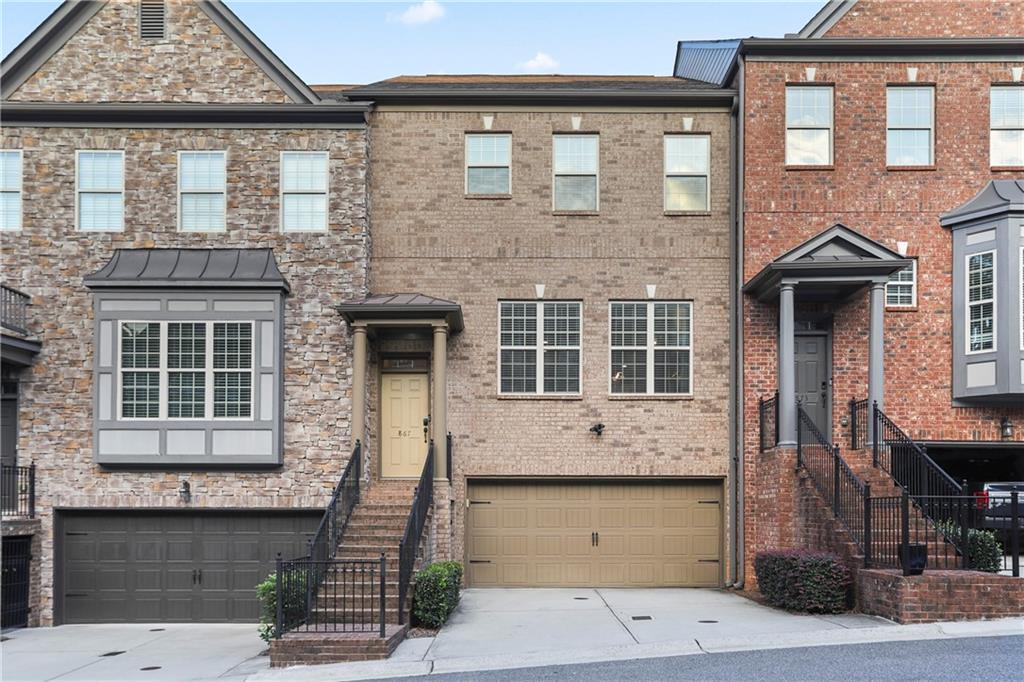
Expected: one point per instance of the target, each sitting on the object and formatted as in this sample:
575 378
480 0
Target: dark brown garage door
172 567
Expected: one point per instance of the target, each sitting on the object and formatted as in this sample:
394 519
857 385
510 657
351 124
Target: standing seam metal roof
213 268
708 61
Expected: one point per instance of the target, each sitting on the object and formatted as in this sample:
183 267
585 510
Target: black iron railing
14 309
336 595
422 499
908 463
858 423
324 543
449 447
18 491
844 492
768 421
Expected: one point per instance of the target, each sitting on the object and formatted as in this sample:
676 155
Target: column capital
359 327
875 286
787 286
440 327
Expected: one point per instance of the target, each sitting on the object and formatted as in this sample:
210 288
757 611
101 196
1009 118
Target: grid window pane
202 212
487 181
1007 147
304 211
186 395
1007 107
561 371
686 193
629 324
650 347
671 324
518 371
186 345
232 394
576 154
809 107
518 324
908 148
10 171
10 210
488 150
304 172
232 345
140 395
909 107
899 290
671 371
981 301
202 172
575 193
686 154
561 324
140 345
629 371
808 147
100 171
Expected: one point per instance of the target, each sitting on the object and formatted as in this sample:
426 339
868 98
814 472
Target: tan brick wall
48 259
931 18
107 61
427 237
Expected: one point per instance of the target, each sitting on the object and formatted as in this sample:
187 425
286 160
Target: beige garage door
602 534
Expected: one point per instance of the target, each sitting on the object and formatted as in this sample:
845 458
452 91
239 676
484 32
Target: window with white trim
809 123
99 190
651 347
166 370
981 302
202 191
304 191
10 189
488 163
910 126
539 346
687 163
575 172
901 289
1007 125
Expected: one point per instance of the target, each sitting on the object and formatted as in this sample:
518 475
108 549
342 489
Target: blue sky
360 42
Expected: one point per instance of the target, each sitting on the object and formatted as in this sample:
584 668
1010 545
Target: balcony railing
14 309
18 491
768 422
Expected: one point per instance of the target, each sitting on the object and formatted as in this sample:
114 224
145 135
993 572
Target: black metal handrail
844 491
18 491
324 543
768 422
422 499
858 423
14 309
336 595
449 448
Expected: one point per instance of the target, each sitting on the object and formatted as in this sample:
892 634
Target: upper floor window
10 189
576 172
540 346
202 191
901 289
651 347
687 163
99 202
910 126
488 164
1007 125
981 302
304 195
809 125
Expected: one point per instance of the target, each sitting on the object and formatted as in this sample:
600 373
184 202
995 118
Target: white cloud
541 61
421 13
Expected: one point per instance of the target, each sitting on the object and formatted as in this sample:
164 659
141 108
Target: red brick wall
939 595
930 18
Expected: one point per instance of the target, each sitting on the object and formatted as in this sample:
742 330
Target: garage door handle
200 576
707 561
479 561
193 576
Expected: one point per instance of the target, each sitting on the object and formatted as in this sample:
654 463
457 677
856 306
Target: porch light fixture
185 492
1006 428
597 428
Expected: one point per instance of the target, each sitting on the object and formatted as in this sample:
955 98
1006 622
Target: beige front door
601 534
404 403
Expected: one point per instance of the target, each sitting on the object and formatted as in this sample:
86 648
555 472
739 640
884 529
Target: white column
359 384
876 353
787 368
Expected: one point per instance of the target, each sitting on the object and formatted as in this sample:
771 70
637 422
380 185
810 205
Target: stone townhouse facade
881 176
182 201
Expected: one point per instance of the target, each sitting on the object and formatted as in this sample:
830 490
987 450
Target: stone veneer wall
48 259
428 237
107 61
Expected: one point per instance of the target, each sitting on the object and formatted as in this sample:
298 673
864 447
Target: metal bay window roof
196 268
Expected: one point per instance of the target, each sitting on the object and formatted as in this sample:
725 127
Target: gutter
1001 48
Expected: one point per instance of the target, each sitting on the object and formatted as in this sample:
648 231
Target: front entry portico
829 268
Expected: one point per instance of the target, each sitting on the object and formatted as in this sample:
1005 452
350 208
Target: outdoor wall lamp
1006 428
185 492
597 428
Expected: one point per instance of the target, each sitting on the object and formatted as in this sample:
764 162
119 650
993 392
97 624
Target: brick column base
440 548
775 486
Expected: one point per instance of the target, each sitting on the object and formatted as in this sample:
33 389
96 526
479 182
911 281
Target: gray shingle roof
998 196
200 268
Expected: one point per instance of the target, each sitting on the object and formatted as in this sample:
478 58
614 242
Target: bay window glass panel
1007 125
576 171
981 301
900 290
232 350
304 190
488 164
909 126
140 353
186 350
100 190
809 125
10 190
202 185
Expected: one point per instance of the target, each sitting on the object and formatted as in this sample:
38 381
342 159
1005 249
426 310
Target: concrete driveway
180 651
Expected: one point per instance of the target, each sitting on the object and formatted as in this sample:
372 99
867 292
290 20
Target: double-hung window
202 192
910 126
304 191
488 163
687 163
981 302
10 189
99 190
540 347
901 289
651 347
1007 125
186 370
576 172
809 125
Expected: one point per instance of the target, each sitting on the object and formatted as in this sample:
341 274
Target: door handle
597 538
426 427
593 539
200 576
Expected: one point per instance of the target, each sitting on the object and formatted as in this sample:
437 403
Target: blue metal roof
705 60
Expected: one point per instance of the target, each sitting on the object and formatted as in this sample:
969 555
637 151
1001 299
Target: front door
404 404
812 379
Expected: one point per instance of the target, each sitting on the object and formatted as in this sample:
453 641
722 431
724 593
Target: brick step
328 616
353 535
316 648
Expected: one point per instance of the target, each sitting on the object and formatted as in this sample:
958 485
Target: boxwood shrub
437 593
294 603
798 580
984 552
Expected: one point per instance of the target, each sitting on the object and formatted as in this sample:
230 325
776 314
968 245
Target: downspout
736 480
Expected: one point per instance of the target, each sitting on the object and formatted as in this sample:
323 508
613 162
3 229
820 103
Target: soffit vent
152 19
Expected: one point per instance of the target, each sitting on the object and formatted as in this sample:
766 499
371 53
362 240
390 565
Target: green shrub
294 598
798 580
437 593
984 552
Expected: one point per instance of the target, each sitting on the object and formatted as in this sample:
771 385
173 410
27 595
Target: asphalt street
974 658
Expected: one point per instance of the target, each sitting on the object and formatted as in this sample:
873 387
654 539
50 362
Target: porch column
876 353
787 369
359 384
439 404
